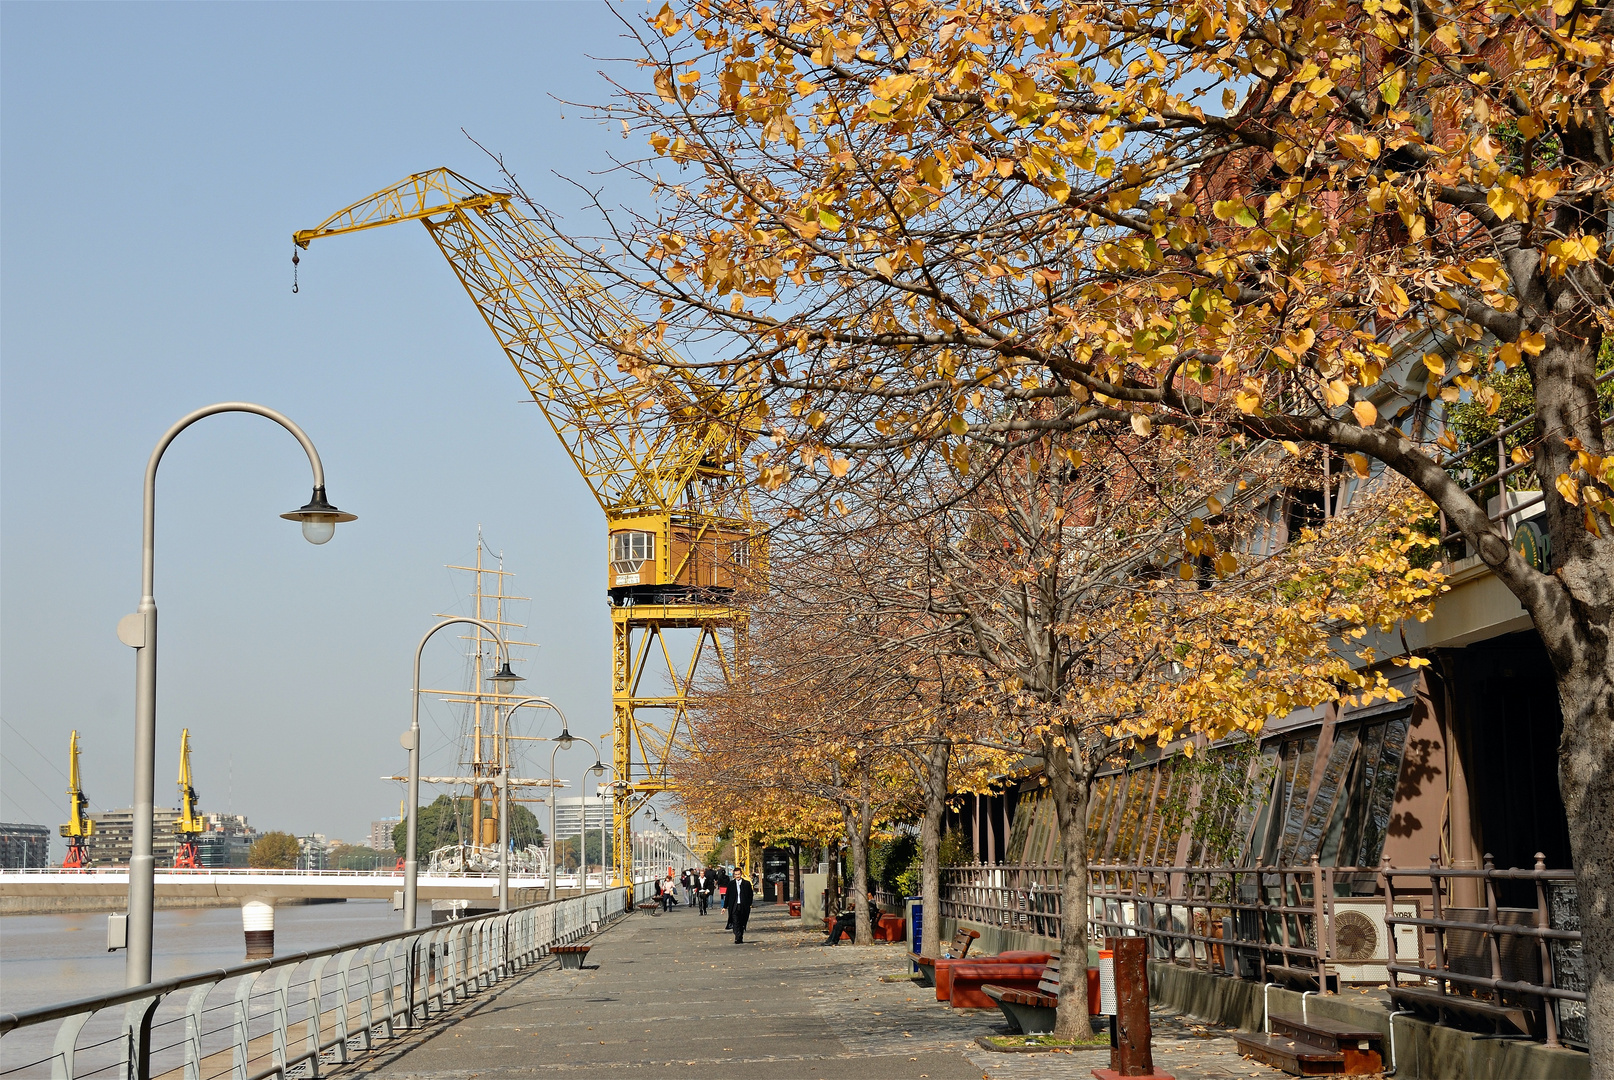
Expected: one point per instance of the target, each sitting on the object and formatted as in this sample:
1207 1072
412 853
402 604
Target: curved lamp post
564 741
504 680
504 792
139 631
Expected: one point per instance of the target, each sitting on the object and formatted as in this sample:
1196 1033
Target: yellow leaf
1291 447
957 424
1336 393
1213 505
1358 463
1532 343
1366 414
1247 400
838 466
1141 425
1436 365
1185 571
1506 203
1227 562
1569 488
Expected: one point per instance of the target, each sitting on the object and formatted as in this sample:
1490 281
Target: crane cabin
675 559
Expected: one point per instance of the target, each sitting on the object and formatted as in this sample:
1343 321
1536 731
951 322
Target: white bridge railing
294 1015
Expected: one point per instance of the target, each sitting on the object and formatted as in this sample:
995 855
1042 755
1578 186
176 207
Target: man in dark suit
740 886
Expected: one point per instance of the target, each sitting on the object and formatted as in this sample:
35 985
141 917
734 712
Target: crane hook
294 261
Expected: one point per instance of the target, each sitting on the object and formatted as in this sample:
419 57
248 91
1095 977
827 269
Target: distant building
381 833
226 842
316 852
24 847
573 815
112 843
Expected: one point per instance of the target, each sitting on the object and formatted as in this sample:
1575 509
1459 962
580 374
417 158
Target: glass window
630 549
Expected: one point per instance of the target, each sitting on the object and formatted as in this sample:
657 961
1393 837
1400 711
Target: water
45 959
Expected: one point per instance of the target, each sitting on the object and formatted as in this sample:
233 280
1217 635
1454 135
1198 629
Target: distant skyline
156 159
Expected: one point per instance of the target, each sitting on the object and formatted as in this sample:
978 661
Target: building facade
24 846
112 843
381 833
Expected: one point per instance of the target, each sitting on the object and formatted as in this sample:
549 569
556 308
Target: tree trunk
1069 784
859 823
930 831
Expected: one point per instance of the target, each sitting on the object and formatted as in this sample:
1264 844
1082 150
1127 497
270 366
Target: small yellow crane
190 824
80 825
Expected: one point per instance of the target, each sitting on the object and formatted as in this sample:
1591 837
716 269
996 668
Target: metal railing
1283 923
1492 960
1483 484
293 1015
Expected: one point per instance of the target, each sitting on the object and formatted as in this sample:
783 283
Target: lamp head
598 769
565 739
319 518
504 680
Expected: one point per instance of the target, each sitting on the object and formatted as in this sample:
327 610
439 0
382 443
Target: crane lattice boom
658 445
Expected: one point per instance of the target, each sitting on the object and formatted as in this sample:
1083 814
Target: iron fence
1442 946
293 1015
1518 966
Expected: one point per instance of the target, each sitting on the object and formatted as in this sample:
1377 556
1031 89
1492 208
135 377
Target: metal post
139 631
553 798
504 820
412 742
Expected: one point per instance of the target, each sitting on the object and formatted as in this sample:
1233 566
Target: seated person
846 921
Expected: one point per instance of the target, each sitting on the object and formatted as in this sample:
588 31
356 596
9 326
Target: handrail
1279 921
354 993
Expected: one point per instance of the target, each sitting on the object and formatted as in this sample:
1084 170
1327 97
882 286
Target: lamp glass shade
565 739
598 769
504 680
318 530
319 518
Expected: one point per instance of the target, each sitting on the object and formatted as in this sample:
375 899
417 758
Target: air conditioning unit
1360 939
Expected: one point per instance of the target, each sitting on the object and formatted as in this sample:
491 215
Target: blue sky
154 160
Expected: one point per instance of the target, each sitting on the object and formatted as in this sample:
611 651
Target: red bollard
1130 1054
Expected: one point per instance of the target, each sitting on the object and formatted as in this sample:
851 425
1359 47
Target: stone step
1293 1056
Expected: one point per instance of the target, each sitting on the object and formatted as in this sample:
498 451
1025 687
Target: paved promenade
673 995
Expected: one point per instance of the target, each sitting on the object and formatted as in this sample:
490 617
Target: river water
45 959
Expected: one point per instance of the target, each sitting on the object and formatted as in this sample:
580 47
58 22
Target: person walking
741 888
725 890
708 888
690 879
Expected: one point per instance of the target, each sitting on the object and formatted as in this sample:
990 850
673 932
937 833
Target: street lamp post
504 794
139 631
504 681
564 741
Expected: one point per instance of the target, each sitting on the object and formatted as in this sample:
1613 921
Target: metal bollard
1130 1053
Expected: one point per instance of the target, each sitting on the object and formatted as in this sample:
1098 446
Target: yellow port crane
190 825
80 826
660 448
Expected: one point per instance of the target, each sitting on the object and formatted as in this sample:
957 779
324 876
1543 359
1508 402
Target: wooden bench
795 909
889 928
944 967
958 949
966 980
652 906
571 956
1034 1012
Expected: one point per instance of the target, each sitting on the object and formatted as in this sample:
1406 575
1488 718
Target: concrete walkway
673 995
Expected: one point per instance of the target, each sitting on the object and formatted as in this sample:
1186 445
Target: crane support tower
79 826
190 825
658 446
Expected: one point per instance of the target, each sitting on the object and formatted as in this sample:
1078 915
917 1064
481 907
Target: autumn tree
1312 222
274 851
